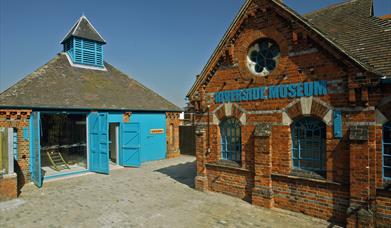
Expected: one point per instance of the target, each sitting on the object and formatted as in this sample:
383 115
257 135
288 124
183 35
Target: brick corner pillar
201 180
262 192
359 213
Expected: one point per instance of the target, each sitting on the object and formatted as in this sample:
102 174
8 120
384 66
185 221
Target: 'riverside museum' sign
305 89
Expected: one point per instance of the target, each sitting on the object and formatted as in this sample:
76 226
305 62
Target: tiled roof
364 37
84 29
58 85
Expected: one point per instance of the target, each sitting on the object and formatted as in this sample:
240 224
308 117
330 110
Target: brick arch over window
307 106
228 110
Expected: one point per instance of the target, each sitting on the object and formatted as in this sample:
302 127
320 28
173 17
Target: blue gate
130 144
35 149
98 142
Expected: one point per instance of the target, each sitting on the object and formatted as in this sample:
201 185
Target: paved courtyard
159 194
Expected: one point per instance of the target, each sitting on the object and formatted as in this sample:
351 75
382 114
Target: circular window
263 57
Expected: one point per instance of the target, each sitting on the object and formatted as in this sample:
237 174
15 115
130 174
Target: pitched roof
364 37
58 85
360 7
84 29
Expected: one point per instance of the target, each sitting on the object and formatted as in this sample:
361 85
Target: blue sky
162 44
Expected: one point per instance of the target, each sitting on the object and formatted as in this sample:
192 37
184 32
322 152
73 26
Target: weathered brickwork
19 120
172 131
8 187
348 192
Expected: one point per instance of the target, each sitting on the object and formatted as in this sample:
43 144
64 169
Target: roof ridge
329 7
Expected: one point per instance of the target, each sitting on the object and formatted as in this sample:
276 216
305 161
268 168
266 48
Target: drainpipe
208 133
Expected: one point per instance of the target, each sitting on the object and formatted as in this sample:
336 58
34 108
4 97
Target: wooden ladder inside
58 162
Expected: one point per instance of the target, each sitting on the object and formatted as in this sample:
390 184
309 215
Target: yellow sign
156 131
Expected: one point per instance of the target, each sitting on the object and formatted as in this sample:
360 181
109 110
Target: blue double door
98 140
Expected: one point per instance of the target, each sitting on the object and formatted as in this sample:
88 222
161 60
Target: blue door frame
35 149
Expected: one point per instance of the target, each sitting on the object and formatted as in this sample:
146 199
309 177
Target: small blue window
15 144
308 145
231 140
387 150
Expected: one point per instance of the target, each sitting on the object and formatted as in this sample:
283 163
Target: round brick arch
247 38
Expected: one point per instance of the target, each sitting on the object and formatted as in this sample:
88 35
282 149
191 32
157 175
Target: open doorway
113 139
63 143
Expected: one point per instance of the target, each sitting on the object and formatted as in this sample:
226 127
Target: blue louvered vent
85 52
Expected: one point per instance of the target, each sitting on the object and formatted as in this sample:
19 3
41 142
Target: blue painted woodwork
83 51
98 140
64 174
25 133
231 140
306 89
387 150
337 124
15 143
309 144
152 146
35 149
130 145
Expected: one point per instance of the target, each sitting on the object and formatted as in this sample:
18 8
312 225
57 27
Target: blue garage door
98 142
130 144
35 149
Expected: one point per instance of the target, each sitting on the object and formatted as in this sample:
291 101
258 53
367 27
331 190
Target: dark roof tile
59 85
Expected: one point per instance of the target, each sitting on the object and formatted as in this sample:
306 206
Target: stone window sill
227 165
294 177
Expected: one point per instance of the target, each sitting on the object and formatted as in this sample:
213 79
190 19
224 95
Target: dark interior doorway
113 139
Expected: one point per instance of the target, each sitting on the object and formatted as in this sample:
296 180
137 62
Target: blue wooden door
35 149
98 142
130 144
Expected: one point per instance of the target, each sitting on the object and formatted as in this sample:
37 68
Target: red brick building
293 111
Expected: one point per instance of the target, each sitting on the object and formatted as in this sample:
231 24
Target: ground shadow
183 173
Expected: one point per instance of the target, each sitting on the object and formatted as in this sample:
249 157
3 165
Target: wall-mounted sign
156 131
305 89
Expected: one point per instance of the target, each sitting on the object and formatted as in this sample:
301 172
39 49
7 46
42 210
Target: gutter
86 109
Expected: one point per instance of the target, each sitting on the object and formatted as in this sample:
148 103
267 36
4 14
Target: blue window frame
84 51
231 140
387 150
15 143
308 145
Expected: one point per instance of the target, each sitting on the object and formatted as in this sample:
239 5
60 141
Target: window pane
387 161
231 139
387 172
308 142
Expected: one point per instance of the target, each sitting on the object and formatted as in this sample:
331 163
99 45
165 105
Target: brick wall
19 119
172 131
8 187
348 187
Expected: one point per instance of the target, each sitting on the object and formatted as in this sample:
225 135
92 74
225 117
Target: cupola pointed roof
84 29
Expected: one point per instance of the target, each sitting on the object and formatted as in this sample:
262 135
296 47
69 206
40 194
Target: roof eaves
72 30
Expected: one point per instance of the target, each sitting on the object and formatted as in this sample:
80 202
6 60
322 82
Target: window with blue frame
231 140
15 143
387 150
309 145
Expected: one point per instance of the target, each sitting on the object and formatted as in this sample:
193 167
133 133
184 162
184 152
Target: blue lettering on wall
306 89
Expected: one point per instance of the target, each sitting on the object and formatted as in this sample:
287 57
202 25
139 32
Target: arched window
387 150
231 140
308 145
